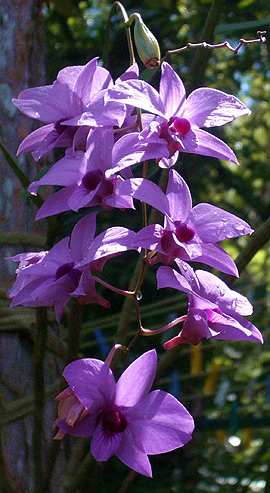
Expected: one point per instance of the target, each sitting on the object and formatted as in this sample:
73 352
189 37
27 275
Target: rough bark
21 66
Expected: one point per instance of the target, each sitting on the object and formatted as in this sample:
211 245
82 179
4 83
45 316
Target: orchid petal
131 73
146 191
35 138
209 145
65 172
208 107
56 203
113 240
137 93
139 377
160 423
82 236
82 428
103 445
46 103
213 255
131 455
149 237
179 197
92 382
139 149
172 91
83 84
219 293
213 224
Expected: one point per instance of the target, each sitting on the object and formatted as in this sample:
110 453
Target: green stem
115 6
39 394
74 330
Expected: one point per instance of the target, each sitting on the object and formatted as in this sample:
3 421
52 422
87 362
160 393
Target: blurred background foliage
225 385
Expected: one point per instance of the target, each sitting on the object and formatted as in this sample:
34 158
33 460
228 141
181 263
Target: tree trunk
21 66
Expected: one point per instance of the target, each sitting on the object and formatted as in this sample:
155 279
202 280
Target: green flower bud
146 43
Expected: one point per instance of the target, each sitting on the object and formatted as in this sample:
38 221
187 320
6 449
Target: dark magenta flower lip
181 125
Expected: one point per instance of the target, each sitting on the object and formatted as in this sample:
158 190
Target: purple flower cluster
92 117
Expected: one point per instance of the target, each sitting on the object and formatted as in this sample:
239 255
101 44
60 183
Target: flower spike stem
129 294
112 352
217 46
147 332
115 6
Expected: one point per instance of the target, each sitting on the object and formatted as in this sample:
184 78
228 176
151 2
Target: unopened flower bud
146 43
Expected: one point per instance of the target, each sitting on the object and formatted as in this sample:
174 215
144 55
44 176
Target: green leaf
20 175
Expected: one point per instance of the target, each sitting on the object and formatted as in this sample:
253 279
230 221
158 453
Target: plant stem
115 6
39 394
113 288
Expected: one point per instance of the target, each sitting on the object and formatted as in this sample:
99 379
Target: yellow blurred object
196 359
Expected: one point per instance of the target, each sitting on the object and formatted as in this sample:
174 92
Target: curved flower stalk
52 278
73 103
124 418
83 177
179 120
214 310
189 233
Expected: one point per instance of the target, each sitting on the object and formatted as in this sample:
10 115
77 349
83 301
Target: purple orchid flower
214 311
179 120
73 103
124 418
83 177
52 278
188 233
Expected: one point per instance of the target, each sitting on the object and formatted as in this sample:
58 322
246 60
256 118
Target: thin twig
217 46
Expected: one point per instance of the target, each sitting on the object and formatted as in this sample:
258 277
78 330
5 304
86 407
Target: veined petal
82 236
99 148
213 255
69 75
160 423
213 224
137 93
134 148
214 289
149 237
170 278
46 103
82 428
113 240
208 107
209 145
65 172
56 203
179 197
172 91
58 255
81 197
96 114
137 380
103 445
131 73
92 382
131 455
146 191
35 138
102 79
83 84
